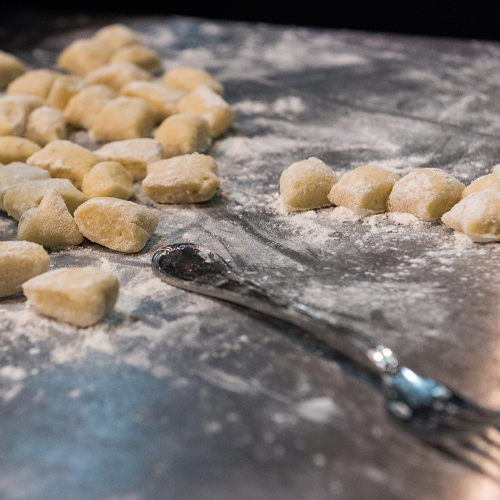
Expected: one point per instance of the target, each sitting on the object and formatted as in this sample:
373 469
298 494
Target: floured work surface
181 397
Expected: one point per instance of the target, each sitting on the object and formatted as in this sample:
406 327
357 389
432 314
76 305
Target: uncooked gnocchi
134 154
482 183
187 79
123 118
140 56
65 160
116 224
305 184
18 173
50 224
117 75
45 124
82 56
364 190
35 82
10 68
117 36
23 196
80 296
426 193
477 215
108 179
16 149
20 261
183 179
182 134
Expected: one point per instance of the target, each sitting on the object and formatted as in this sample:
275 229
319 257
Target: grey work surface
179 397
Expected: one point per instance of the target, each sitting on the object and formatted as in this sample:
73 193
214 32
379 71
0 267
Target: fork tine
470 455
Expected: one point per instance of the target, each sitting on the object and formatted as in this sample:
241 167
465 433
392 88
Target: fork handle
339 331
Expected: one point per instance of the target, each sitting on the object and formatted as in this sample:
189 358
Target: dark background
480 19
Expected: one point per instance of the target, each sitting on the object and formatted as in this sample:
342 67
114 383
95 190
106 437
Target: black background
480 19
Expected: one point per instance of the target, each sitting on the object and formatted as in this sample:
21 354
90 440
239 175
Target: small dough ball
20 261
108 179
35 82
14 110
365 190
45 124
482 183
477 215
63 89
203 101
23 196
10 68
50 224
116 224
161 99
80 296
134 154
83 107
82 56
117 75
183 179
65 160
187 79
426 193
14 148
305 184
140 56
123 118
15 173
182 134
117 36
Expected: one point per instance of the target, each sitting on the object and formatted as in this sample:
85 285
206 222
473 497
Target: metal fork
431 411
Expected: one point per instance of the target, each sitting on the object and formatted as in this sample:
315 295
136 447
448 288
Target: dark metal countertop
179 397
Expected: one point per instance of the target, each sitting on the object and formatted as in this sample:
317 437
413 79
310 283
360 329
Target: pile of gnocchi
153 128
429 194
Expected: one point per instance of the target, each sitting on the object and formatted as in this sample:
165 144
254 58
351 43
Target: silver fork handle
339 331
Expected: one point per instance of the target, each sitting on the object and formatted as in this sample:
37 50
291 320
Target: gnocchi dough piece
123 118
80 296
117 75
20 261
134 154
117 36
141 56
23 196
35 82
17 149
116 224
426 193
45 125
305 185
15 173
477 215
187 79
182 134
83 108
63 89
161 99
50 224
203 101
14 110
183 179
65 160
365 190
82 56
108 179
490 181
10 68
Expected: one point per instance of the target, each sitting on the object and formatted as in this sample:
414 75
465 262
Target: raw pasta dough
187 79
116 224
364 190
183 179
20 261
482 183
477 215
50 224
108 179
427 193
45 124
16 149
81 296
10 68
305 184
134 154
